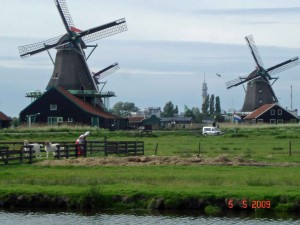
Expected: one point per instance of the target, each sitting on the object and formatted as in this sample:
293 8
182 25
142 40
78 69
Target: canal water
138 217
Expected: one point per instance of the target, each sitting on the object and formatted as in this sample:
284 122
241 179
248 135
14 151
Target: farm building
271 113
58 105
172 121
136 122
5 121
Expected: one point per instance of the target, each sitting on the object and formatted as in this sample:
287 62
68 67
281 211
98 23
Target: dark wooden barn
5 121
57 105
271 113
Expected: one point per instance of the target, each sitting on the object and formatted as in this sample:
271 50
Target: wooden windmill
71 70
259 89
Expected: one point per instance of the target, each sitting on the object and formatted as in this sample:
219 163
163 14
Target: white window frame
53 107
279 112
272 112
272 121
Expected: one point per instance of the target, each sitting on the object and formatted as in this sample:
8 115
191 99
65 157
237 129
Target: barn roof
259 111
4 117
86 106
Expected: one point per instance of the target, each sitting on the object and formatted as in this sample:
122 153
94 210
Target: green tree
124 109
189 113
212 105
168 110
198 116
130 107
176 111
218 106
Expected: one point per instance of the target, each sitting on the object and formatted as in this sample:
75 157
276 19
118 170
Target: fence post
7 156
199 149
67 151
30 154
105 146
135 148
156 148
21 155
58 152
290 148
84 149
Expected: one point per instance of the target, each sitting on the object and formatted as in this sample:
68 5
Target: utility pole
291 98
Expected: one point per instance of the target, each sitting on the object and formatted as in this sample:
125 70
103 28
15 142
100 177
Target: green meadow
163 186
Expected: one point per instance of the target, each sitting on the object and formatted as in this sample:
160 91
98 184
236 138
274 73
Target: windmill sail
253 49
283 66
64 14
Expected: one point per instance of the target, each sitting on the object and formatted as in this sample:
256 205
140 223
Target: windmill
71 70
259 89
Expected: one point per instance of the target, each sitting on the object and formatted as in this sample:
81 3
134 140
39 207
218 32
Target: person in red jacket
80 143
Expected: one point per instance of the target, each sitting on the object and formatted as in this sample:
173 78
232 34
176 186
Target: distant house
172 121
271 113
5 121
137 122
57 105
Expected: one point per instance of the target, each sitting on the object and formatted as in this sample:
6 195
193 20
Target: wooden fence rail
13 152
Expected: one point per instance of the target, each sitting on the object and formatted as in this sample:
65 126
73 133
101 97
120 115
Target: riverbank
208 188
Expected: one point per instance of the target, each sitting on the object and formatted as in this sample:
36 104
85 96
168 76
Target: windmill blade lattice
28 50
252 46
66 14
283 66
103 31
107 71
242 79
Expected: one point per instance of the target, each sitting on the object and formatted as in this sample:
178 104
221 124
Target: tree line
211 109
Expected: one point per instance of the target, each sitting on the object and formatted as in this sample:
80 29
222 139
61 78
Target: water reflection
25 217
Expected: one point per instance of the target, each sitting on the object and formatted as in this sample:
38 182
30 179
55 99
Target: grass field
179 186
261 143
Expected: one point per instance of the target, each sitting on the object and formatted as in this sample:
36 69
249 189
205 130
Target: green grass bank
150 187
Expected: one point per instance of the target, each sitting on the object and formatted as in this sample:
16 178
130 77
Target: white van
210 131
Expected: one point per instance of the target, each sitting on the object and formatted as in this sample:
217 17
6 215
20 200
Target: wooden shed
57 105
271 113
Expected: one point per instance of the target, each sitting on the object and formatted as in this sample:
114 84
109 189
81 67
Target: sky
169 46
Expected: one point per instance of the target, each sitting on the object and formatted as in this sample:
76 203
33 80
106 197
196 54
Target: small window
279 112
70 120
272 121
272 112
260 121
53 107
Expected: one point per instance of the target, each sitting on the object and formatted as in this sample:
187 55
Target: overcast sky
169 46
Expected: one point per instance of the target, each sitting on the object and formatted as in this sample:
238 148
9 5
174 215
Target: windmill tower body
259 89
258 93
70 72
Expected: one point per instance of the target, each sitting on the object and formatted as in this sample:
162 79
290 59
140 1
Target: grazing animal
35 147
49 147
